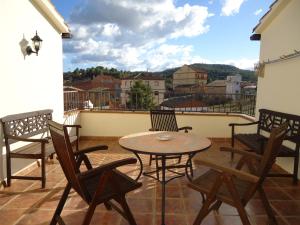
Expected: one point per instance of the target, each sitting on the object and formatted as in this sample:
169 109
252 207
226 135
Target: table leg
163 185
141 166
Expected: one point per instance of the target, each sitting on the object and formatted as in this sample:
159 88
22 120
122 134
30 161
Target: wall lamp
37 41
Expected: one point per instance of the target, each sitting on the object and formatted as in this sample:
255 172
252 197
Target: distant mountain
216 71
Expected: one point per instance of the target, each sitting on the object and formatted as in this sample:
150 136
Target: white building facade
233 84
30 82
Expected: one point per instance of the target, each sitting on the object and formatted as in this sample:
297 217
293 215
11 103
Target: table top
164 143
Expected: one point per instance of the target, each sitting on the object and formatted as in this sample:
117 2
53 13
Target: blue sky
155 35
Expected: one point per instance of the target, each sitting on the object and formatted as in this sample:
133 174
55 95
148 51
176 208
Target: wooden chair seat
124 183
256 142
204 183
34 150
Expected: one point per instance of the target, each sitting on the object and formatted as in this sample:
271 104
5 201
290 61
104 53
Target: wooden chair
95 185
235 187
165 120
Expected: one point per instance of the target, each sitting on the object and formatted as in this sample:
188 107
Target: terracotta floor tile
140 206
171 191
287 208
293 220
4 198
173 205
146 191
172 220
292 192
263 220
11 216
18 186
25 201
141 219
40 217
210 219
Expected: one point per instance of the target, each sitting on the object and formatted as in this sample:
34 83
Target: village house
230 86
189 79
155 82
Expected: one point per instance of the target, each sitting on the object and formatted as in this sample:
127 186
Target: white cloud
257 12
231 7
241 63
133 34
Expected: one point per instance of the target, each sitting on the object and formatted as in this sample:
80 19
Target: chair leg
8 169
127 211
267 206
43 168
150 160
107 206
210 198
87 162
179 159
232 142
217 205
203 212
236 198
60 205
89 214
296 165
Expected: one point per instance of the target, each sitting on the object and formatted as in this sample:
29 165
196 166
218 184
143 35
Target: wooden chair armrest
185 128
243 124
106 167
241 152
238 173
74 125
41 140
91 149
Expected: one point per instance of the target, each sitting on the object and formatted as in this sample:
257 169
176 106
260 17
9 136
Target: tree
140 96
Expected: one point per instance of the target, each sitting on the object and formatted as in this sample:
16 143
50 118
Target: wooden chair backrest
269 119
26 125
163 120
271 150
65 154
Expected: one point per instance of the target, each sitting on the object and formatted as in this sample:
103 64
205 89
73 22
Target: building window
156 93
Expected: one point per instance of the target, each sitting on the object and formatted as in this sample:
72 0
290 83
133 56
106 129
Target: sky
154 35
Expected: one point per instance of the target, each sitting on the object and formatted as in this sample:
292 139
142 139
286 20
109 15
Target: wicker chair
95 185
235 187
165 120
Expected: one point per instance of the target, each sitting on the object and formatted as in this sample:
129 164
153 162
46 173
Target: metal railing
140 101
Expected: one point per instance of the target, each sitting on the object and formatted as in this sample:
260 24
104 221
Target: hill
217 71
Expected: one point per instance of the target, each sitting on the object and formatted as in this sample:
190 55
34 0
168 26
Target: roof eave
273 11
52 15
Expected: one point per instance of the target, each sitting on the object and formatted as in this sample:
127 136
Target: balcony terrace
26 203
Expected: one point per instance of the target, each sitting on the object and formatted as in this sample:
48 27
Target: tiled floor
26 203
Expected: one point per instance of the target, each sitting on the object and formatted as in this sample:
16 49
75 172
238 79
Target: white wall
279 88
117 124
32 82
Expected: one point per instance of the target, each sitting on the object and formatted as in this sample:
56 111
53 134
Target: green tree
140 96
